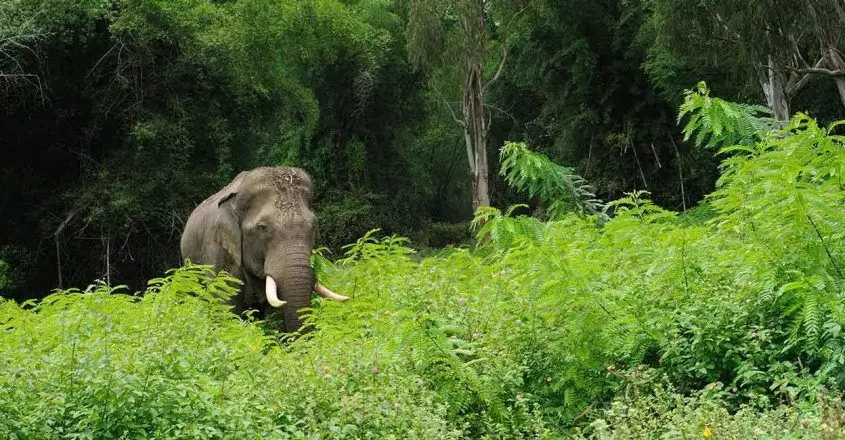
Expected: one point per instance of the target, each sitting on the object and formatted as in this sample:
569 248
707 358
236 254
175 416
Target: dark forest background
117 117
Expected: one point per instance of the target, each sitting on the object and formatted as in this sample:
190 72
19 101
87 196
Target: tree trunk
480 186
475 132
837 64
773 85
840 85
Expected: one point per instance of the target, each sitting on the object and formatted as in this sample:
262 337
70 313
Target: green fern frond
502 230
553 184
636 204
812 317
715 123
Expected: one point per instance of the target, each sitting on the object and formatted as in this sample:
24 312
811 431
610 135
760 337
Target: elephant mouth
272 293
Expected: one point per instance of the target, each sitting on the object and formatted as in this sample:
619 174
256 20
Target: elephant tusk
328 294
272 296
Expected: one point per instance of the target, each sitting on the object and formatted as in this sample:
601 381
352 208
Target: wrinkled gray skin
260 224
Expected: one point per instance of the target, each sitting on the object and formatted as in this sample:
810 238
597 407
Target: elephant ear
227 229
225 198
231 190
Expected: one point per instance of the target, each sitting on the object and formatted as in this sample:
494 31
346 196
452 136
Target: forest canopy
119 117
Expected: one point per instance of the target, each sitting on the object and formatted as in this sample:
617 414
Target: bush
647 411
172 364
534 331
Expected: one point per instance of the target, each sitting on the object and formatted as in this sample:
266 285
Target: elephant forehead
285 180
286 204
289 189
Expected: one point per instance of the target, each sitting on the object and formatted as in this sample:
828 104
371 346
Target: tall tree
463 44
766 41
581 97
827 18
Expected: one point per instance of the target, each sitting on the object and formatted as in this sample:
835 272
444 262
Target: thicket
726 322
119 117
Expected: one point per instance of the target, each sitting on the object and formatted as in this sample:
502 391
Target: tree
581 97
17 30
827 18
452 39
765 41
150 105
24 25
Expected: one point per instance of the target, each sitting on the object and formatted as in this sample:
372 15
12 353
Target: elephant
260 228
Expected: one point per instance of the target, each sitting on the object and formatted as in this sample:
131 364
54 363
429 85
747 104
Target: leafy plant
503 230
715 123
175 363
651 410
637 205
559 187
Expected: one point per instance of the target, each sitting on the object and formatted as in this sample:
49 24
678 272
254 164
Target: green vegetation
632 324
172 364
644 259
118 117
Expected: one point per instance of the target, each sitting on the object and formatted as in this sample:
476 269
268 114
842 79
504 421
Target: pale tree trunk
831 65
473 119
475 133
836 55
827 16
837 64
840 85
481 189
774 88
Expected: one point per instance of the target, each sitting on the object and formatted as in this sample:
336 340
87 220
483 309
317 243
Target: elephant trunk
292 273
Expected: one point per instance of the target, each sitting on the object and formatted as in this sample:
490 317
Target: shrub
647 411
176 364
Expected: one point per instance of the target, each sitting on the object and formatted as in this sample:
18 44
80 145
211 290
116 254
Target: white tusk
328 294
272 296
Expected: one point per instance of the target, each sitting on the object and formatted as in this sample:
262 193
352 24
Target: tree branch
498 70
460 122
501 110
793 85
505 46
822 71
102 58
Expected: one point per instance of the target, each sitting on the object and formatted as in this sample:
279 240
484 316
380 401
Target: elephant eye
262 227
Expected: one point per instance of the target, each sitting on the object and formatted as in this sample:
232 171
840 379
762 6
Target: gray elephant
260 228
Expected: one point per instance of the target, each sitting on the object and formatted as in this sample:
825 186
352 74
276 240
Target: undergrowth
631 322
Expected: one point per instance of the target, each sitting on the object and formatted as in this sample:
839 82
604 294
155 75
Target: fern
369 248
503 230
560 187
561 319
635 204
714 123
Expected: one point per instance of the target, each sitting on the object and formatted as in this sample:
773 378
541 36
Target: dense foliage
144 108
725 321
118 117
639 271
174 365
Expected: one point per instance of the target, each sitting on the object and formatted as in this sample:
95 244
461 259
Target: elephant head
261 228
